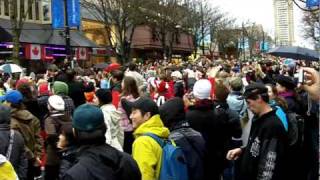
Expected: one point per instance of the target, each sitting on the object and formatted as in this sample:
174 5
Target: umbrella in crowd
295 52
11 68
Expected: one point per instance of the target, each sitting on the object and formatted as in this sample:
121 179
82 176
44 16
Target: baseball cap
12 96
254 89
145 104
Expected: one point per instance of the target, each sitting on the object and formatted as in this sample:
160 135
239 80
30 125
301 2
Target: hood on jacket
153 125
112 111
23 115
172 112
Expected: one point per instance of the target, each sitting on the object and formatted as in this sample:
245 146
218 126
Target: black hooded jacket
191 141
102 162
214 129
265 155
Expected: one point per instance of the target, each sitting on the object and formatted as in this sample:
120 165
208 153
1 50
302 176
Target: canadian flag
82 54
33 51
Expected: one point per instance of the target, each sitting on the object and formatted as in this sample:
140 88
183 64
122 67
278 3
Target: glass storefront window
6 7
37 8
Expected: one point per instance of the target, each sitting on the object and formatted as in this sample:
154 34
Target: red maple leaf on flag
35 51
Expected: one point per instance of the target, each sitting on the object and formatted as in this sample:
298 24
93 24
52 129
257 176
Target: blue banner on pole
73 13
313 3
264 46
57 14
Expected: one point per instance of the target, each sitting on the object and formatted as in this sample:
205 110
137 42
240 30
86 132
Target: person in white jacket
114 134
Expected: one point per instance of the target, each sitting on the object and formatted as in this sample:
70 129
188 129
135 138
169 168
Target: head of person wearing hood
172 112
88 124
13 99
4 115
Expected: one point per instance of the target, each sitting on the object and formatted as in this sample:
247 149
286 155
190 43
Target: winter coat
43 105
114 134
68 159
233 123
53 124
193 146
17 157
102 162
214 129
125 122
29 127
178 88
115 92
69 105
264 157
146 151
236 104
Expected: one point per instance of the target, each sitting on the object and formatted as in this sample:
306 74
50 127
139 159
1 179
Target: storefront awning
43 34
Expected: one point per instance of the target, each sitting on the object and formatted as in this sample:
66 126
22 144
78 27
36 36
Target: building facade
38 40
283 18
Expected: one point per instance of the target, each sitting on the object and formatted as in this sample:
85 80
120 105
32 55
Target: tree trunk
16 47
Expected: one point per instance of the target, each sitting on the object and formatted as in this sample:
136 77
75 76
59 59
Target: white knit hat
56 102
202 89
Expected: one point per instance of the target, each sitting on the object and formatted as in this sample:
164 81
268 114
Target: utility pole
243 42
67 33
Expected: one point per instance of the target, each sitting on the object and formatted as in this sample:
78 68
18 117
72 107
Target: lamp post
67 32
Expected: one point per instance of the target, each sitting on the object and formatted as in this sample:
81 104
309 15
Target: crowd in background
233 120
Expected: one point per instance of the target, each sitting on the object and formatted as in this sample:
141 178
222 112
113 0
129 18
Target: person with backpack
55 120
146 150
29 127
265 156
96 159
192 143
12 144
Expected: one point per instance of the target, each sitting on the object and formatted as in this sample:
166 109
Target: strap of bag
10 144
156 138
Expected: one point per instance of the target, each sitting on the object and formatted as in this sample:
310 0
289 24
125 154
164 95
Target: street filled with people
163 120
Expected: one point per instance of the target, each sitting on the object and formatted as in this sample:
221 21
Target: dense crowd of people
223 119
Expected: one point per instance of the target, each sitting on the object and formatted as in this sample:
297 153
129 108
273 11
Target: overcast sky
261 12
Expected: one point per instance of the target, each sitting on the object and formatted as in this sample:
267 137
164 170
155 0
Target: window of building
46 14
22 7
37 10
6 7
30 15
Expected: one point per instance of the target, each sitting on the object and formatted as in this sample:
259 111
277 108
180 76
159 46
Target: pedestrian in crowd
89 92
76 88
43 96
67 149
286 89
12 144
145 150
234 98
132 71
29 100
264 157
179 87
29 127
112 117
54 122
129 93
96 159
212 127
233 126
192 143
116 78
61 89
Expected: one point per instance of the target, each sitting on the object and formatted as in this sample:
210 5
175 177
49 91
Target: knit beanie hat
60 87
56 102
87 118
43 89
202 89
